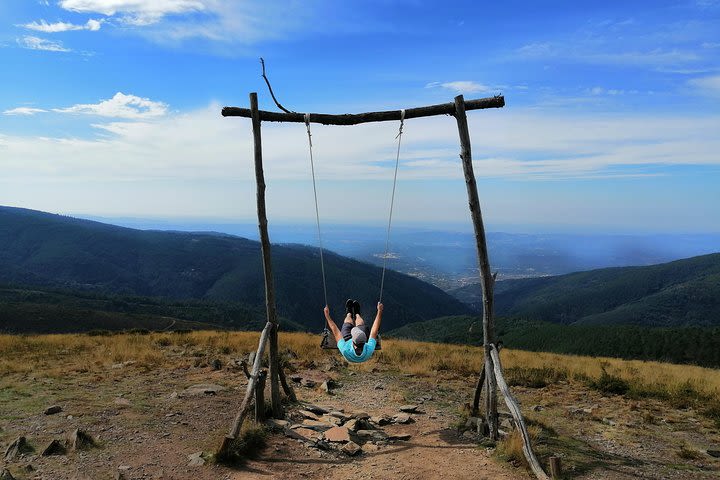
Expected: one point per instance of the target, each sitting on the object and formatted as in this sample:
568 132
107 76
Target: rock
122 402
173 396
379 386
714 453
402 418
337 434
361 416
121 472
53 410
296 378
507 424
306 382
54 448
17 448
196 459
339 415
216 364
304 434
6 475
401 437
409 408
537 408
469 434
275 424
472 422
372 434
351 449
308 414
380 421
80 440
322 445
29 468
607 421
317 425
330 419
352 425
316 410
202 389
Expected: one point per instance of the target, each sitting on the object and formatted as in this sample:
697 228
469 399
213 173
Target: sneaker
356 307
349 306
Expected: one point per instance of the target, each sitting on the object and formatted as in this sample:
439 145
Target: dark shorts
346 327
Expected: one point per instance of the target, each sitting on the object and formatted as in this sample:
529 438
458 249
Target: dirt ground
147 425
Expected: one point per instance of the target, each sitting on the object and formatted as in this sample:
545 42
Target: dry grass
55 355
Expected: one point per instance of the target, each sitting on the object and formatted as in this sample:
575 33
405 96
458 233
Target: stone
6 475
409 408
361 415
609 422
308 414
304 434
351 449
296 378
714 453
330 419
537 408
372 434
276 424
401 437
402 418
17 448
216 364
339 415
306 382
325 386
80 440
173 396
380 421
122 402
54 448
53 410
507 424
316 410
337 434
379 386
352 425
196 459
202 389
316 425
472 422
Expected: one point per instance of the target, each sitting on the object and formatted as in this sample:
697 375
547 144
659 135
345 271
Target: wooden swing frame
492 370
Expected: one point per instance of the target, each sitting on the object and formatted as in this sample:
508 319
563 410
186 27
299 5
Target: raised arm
378 320
331 324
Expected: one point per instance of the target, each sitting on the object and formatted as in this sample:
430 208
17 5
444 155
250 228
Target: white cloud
463 86
36 43
709 85
120 106
43 26
23 111
135 12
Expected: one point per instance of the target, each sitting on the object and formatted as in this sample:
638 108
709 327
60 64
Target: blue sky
111 107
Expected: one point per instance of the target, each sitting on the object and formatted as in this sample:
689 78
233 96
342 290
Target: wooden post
514 408
555 468
260 397
486 283
289 392
478 390
267 265
252 383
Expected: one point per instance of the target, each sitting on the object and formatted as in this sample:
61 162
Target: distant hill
680 293
696 345
54 251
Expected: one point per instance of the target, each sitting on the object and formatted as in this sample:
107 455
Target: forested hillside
48 250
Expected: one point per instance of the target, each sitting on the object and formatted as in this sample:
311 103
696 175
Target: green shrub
247 446
608 383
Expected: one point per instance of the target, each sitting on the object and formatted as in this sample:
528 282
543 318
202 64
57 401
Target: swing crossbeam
357 118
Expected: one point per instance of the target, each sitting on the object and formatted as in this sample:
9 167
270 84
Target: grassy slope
695 345
681 293
37 248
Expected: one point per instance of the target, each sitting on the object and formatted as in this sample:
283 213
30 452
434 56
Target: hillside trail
434 450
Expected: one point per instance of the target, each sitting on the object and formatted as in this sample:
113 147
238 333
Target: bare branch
272 94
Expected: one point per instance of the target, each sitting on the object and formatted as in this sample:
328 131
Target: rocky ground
162 423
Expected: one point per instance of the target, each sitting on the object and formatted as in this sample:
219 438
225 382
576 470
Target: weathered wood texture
267 264
356 118
514 408
478 391
555 468
260 397
249 391
486 278
289 391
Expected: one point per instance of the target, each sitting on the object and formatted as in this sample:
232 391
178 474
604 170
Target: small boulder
402 418
196 459
379 386
276 424
409 408
54 448
401 437
122 402
53 410
17 448
506 424
352 425
377 435
306 382
80 440
339 415
537 408
316 409
203 389
317 425
337 434
351 449
216 364
296 378
304 434
308 414
380 420
361 416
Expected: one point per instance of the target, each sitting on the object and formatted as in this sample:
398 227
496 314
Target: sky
612 118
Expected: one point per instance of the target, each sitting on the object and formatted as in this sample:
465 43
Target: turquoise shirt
348 351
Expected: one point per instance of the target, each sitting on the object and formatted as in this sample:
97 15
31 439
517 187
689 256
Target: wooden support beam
249 391
356 118
486 278
267 264
514 408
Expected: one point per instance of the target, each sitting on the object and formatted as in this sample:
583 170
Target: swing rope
392 203
317 210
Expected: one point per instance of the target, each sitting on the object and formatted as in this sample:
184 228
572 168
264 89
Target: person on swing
356 341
